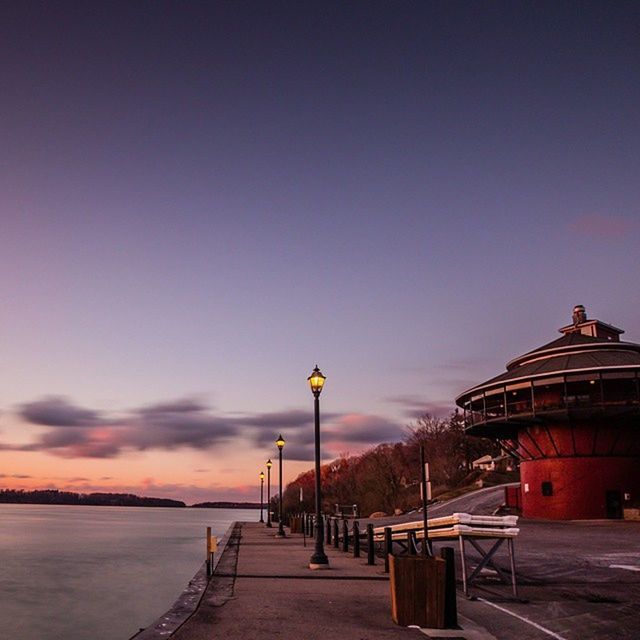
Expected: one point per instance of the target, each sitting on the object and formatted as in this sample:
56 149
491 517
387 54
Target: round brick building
569 411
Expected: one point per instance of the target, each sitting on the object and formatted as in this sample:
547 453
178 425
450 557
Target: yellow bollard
212 546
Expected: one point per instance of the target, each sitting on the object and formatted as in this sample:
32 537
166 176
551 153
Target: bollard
388 547
450 604
411 543
311 528
345 536
371 549
209 563
356 539
327 523
336 537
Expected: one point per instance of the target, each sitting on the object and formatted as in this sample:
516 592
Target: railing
600 390
409 538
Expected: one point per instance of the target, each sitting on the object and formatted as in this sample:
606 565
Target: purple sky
199 201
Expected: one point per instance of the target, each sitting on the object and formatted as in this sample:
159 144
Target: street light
269 465
261 494
319 558
280 445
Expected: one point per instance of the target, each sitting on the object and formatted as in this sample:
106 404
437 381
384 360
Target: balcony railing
599 390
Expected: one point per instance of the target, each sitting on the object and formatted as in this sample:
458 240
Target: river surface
97 573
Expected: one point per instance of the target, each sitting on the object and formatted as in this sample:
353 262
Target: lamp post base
318 561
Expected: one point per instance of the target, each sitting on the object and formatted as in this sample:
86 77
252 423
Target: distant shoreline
69 498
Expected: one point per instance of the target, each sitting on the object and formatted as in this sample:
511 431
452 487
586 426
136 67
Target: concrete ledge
188 601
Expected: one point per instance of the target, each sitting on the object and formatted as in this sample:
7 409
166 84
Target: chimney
579 315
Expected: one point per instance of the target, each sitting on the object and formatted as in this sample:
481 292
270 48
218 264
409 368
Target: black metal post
328 525
450 604
336 534
426 545
388 547
319 558
345 536
310 527
371 549
411 543
261 497
356 539
281 533
269 495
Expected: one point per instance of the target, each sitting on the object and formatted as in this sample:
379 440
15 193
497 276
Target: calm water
97 573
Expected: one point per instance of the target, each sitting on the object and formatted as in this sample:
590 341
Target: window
547 489
583 390
619 387
518 398
549 394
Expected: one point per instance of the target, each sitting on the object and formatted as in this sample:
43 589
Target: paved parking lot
580 580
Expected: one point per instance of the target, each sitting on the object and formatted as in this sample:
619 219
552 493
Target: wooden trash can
417 591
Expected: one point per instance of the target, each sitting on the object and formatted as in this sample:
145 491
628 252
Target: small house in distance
569 411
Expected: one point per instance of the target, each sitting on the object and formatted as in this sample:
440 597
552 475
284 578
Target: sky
199 202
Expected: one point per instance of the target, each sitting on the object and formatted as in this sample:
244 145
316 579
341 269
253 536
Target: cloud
339 431
414 407
279 419
18 476
595 225
360 428
293 424
299 452
57 411
79 432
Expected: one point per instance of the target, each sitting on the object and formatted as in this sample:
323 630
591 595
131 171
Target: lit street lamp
269 465
319 558
261 495
280 445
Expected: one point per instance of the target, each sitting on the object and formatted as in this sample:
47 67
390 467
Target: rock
378 514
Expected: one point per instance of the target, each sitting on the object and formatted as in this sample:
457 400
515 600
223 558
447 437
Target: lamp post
269 465
319 558
280 445
261 495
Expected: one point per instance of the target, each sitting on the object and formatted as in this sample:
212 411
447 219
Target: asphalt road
578 580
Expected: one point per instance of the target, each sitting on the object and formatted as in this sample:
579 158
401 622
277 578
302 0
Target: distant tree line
53 496
226 505
387 477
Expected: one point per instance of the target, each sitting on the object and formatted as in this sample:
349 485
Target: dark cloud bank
74 431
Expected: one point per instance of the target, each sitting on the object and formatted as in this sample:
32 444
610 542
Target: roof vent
579 315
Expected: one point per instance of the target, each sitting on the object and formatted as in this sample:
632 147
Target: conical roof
574 352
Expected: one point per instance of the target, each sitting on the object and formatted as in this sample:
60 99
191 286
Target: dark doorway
614 504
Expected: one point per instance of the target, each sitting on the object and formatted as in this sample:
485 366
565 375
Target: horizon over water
79 572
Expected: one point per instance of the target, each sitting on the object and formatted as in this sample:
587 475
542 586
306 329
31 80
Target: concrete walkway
263 588
578 581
